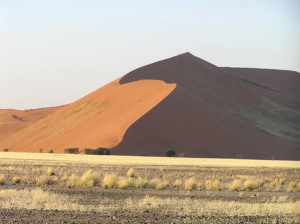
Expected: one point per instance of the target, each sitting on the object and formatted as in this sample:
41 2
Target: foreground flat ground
59 188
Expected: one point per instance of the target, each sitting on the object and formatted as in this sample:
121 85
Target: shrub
170 153
44 180
190 184
236 185
5 150
102 151
252 184
281 181
199 186
109 181
208 185
50 171
162 185
72 150
130 173
89 179
2 179
154 182
73 181
292 184
123 183
51 151
216 185
141 183
273 184
177 184
41 150
16 180
89 151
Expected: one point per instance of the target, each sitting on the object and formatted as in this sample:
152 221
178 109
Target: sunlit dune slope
12 121
99 119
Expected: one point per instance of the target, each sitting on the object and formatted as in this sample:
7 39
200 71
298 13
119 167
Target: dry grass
292 184
213 185
36 199
177 184
124 183
45 180
252 185
163 184
50 171
2 179
190 184
73 181
141 183
135 160
199 186
236 185
16 180
89 179
109 181
130 173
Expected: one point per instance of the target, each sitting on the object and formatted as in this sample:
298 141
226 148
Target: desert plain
66 188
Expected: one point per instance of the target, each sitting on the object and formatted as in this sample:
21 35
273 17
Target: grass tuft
109 181
190 184
130 173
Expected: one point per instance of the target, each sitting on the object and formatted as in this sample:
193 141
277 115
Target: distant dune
182 103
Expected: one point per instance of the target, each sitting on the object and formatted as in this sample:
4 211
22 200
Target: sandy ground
57 203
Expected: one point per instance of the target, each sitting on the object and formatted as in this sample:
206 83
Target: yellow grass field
139 160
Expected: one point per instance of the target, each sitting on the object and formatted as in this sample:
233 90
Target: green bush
98 151
51 151
89 151
72 150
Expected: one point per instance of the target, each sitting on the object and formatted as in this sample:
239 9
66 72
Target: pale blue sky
55 52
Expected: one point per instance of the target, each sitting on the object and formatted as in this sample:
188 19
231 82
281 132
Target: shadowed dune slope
99 119
217 112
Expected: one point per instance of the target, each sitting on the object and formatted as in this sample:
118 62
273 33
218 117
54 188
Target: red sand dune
182 103
12 121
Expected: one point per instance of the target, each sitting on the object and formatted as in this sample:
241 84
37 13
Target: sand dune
97 120
182 103
12 121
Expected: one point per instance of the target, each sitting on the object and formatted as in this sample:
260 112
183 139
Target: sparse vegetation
177 184
190 184
76 179
2 179
141 183
236 185
89 179
109 181
170 153
72 150
130 173
50 171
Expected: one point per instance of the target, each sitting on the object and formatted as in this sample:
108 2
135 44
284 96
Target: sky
54 52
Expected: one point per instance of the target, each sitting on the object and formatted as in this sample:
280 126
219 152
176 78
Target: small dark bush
72 150
5 150
89 151
51 151
41 150
102 151
170 153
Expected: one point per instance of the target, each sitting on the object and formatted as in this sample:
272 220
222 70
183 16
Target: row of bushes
89 151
